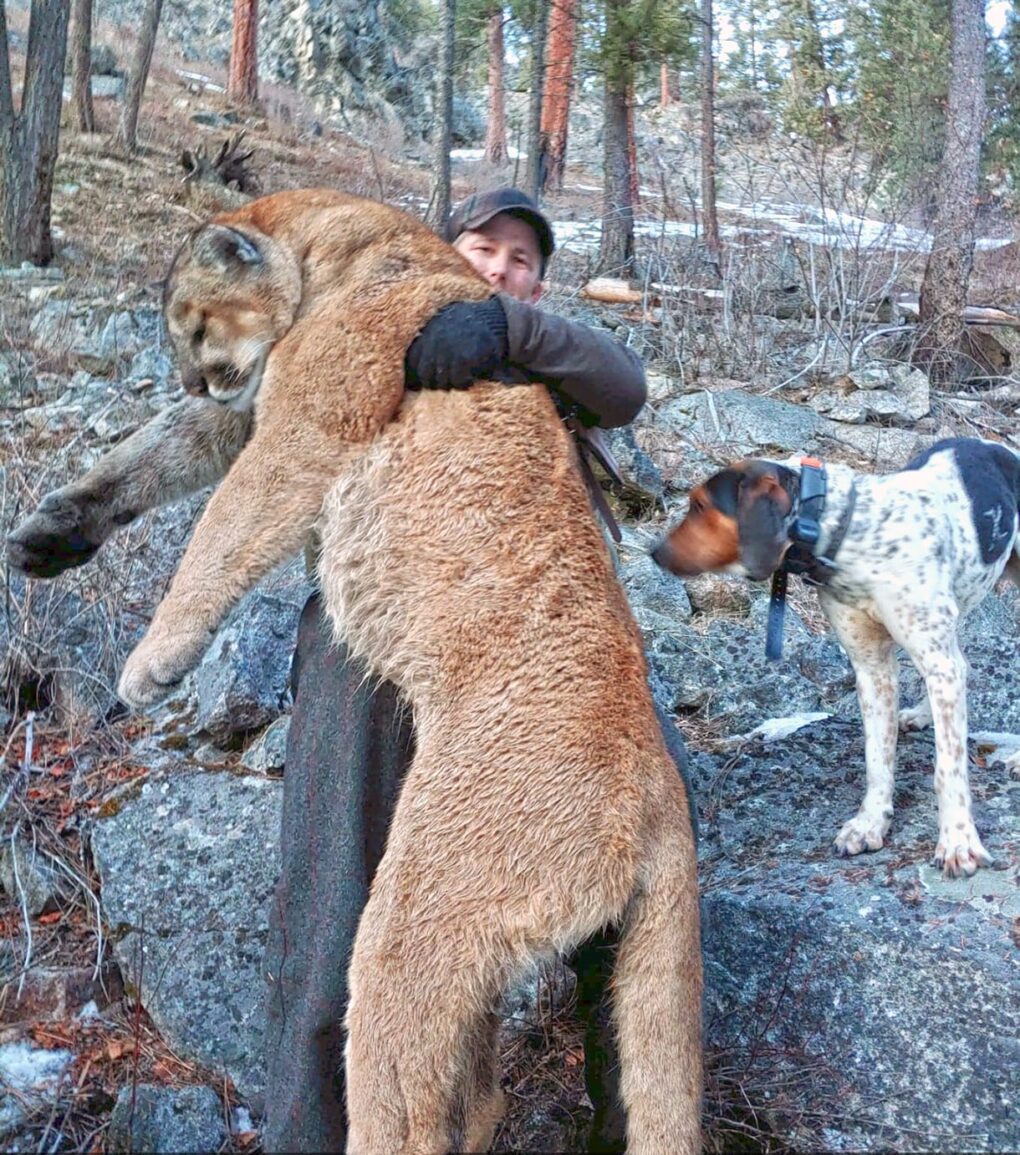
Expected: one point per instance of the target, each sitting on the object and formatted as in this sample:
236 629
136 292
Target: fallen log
611 290
972 314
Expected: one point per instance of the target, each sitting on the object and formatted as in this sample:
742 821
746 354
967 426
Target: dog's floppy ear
738 516
763 507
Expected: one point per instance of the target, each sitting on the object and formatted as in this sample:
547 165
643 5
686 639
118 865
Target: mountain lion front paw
155 668
58 536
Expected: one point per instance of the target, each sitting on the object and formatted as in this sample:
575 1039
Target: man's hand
464 342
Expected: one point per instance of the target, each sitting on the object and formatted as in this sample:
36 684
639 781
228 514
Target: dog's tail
657 1003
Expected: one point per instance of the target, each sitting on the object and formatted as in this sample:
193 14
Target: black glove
464 342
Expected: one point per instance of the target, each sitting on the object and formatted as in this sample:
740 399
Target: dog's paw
959 851
153 671
862 832
916 717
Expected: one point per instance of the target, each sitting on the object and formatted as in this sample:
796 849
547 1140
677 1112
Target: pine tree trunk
495 129
633 178
947 273
616 250
708 169
559 87
439 213
533 168
28 139
81 66
127 131
243 77
665 97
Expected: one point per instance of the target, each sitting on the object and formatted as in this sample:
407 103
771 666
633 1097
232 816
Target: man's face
505 251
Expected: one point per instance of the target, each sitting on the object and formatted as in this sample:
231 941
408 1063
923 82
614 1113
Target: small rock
719 594
26 877
211 756
268 751
161 1119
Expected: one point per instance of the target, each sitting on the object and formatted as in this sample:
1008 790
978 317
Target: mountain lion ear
225 248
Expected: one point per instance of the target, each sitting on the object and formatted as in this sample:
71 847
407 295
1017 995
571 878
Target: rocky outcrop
352 58
187 869
871 1002
175 1120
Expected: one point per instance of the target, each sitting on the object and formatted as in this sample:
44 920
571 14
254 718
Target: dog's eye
198 336
694 506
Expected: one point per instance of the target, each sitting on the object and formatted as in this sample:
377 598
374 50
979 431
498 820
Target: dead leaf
118 1048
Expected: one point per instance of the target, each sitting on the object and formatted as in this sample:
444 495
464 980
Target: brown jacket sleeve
587 366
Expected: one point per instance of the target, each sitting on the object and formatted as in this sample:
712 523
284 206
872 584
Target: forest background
772 196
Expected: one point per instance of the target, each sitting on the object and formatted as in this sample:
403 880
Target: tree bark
533 168
495 129
440 210
559 88
708 169
665 96
243 77
81 66
947 273
633 178
616 249
28 138
127 130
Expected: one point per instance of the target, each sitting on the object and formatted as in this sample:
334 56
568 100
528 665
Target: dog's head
737 521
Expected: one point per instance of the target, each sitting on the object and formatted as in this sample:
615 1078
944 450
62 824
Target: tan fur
461 559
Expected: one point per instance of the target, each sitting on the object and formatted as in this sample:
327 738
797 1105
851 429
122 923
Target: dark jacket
598 383
590 368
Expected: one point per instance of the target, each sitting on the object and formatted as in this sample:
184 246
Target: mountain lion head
230 295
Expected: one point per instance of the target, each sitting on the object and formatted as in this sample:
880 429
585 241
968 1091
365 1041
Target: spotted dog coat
921 548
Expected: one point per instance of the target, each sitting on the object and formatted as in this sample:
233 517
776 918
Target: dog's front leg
872 653
938 657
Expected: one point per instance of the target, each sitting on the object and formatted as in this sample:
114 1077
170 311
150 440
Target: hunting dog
899 559
461 560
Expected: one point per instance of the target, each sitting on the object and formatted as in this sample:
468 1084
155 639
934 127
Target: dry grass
115 1050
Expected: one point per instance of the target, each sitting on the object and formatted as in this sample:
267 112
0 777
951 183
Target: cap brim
543 230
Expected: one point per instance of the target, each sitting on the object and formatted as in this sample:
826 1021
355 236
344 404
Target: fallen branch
910 307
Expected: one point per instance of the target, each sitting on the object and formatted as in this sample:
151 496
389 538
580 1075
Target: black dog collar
800 558
806 528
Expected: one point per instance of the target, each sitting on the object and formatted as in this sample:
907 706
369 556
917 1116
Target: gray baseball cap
478 208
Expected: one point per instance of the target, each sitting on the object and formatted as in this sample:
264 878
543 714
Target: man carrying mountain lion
349 747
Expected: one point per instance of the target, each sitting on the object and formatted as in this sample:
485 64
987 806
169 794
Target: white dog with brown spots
900 559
